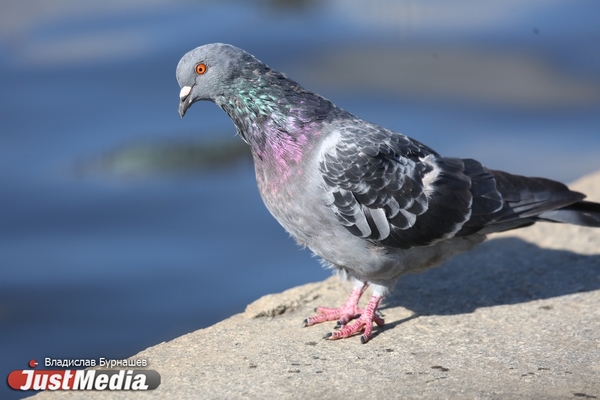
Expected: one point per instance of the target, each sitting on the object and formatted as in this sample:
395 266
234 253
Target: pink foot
366 319
348 312
343 314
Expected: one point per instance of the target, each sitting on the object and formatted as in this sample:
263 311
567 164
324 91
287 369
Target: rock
518 317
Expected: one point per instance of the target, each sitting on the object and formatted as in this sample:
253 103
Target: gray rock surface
518 317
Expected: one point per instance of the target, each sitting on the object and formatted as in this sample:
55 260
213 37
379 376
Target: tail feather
528 197
503 201
584 213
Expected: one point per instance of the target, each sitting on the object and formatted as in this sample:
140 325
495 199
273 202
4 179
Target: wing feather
394 191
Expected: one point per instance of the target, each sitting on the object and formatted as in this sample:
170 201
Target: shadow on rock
500 271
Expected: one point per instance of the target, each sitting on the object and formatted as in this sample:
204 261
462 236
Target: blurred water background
122 225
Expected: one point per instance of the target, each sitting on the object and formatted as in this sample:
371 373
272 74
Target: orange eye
200 68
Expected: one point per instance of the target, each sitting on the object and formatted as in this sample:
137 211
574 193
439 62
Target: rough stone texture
516 318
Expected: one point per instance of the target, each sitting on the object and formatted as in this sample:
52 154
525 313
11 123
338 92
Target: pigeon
374 204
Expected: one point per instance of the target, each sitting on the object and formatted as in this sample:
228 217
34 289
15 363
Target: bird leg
342 314
349 311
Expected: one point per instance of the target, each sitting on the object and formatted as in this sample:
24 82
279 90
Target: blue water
105 265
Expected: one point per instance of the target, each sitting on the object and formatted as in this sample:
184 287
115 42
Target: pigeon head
210 71
272 113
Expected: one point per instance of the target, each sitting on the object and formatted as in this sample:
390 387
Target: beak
185 101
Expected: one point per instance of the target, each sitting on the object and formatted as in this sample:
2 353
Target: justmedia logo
89 379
